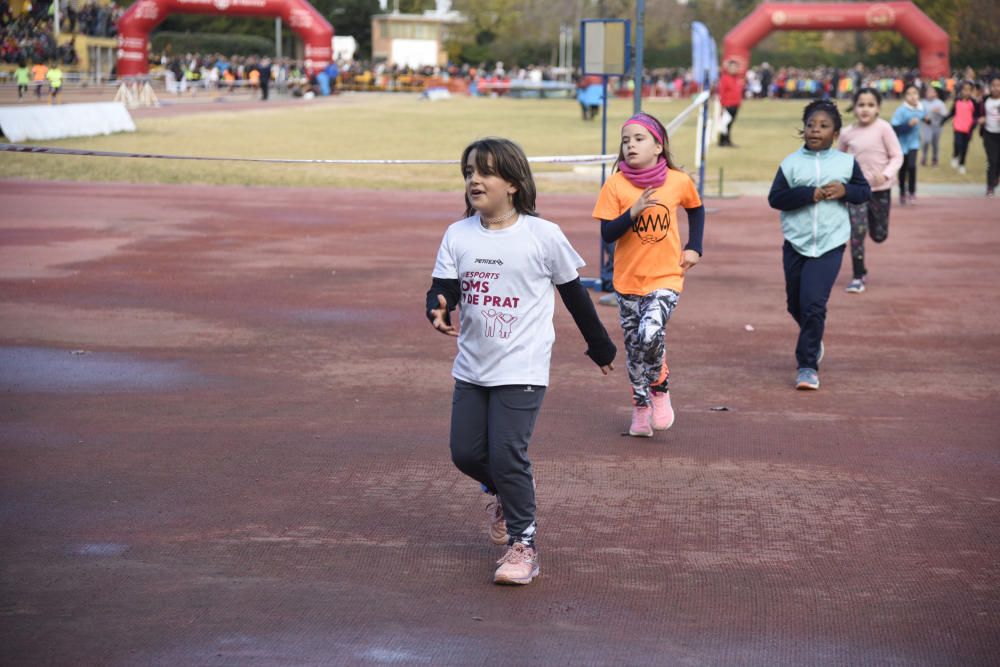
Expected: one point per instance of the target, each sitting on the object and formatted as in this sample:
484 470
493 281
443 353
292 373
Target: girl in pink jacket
874 145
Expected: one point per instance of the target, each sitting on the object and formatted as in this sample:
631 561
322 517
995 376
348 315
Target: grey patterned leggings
644 322
868 219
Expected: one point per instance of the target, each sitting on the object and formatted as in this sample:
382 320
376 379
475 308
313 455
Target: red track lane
225 426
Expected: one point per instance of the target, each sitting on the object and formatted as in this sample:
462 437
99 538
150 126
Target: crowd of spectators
29 34
217 72
794 82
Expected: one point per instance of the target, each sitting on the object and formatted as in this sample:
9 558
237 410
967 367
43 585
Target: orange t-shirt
648 257
38 72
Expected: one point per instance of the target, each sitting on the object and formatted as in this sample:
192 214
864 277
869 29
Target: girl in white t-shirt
501 266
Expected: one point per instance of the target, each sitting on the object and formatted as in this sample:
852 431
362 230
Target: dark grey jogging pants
490 431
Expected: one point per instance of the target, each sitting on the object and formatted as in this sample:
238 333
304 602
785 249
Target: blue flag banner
704 57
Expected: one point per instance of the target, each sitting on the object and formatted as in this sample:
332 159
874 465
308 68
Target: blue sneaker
808 379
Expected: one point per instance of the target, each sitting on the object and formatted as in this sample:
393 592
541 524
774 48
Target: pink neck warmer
650 177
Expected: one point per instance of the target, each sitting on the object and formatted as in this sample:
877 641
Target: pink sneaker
641 422
518 566
497 524
663 412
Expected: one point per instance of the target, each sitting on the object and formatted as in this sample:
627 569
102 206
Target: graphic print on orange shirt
653 224
648 256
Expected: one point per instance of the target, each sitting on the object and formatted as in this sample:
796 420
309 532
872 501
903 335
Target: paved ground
224 442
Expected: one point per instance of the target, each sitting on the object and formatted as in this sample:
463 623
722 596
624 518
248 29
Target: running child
501 265
874 145
964 112
810 189
930 130
906 123
637 208
990 128
23 76
55 77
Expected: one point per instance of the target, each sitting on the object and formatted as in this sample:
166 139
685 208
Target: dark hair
509 163
666 144
824 106
911 85
867 90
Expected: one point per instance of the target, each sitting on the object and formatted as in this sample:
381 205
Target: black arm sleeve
452 292
696 228
612 230
786 198
578 303
857 189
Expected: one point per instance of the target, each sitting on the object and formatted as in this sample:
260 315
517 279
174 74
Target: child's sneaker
961 169
641 422
808 379
954 163
856 286
663 411
497 524
518 566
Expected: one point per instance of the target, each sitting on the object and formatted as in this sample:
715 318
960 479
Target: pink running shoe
663 412
518 566
497 524
641 422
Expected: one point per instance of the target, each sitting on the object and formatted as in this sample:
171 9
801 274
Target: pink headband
647 122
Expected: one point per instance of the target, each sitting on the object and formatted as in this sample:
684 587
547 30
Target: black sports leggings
961 146
908 173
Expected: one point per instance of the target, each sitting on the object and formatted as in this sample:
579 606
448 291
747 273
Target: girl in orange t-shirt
637 208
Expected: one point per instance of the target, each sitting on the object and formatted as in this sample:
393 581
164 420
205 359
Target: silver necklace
497 220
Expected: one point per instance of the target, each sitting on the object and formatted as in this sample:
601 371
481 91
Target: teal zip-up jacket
815 228
909 135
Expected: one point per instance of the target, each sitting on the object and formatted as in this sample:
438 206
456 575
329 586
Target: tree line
527 31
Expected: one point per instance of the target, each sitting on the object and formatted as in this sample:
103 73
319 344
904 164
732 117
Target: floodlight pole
277 37
604 123
640 19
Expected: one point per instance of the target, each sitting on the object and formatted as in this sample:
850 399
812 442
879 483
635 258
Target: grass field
373 126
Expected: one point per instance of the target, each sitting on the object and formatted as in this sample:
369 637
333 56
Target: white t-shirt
992 108
507 300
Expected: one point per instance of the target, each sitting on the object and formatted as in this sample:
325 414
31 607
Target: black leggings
991 142
868 219
908 173
961 146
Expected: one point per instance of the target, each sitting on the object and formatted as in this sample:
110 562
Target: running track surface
225 426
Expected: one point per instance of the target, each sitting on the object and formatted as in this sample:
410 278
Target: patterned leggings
644 321
872 218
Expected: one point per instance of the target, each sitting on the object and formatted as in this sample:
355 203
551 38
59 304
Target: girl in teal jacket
906 122
810 189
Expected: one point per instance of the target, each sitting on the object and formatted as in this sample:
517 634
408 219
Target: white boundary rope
52 150
548 159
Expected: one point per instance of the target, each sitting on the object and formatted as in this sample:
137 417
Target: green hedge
180 43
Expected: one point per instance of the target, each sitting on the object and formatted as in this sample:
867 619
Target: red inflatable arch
904 17
140 19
